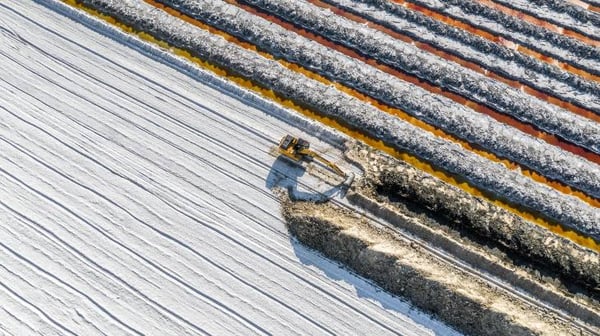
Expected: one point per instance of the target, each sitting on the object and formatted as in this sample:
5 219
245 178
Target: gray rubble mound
405 269
386 176
327 100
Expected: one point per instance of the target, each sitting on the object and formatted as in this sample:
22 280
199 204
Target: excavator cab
294 148
298 149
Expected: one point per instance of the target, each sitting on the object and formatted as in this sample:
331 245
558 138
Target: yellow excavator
298 149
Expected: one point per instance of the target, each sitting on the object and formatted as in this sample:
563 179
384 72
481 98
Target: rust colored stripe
580 3
585 5
386 108
541 23
356 134
467 64
499 39
509 120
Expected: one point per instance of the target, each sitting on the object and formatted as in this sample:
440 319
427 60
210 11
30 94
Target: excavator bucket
348 182
345 186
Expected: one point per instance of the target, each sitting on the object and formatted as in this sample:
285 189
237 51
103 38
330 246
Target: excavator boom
326 162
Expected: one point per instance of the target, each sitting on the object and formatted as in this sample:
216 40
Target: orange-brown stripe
427 167
467 64
594 8
498 39
541 23
381 105
509 120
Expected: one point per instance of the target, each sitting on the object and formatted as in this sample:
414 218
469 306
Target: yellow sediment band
413 160
391 110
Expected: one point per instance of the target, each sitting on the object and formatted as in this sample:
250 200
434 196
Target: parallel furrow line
560 16
24 222
463 28
546 81
384 87
512 31
321 118
153 162
406 57
40 311
167 273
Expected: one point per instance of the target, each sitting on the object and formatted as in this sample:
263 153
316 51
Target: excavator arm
331 165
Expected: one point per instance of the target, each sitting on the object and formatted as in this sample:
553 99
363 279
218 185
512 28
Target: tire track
49 298
144 176
151 161
140 102
33 286
13 304
30 305
81 257
160 114
197 213
57 279
21 323
207 299
69 178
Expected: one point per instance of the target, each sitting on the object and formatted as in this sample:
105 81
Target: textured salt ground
135 200
452 117
482 173
514 29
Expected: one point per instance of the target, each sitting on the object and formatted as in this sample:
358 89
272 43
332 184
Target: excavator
298 149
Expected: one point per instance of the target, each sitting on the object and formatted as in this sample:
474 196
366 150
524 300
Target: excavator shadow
290 176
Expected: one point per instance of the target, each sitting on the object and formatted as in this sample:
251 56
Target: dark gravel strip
465 82
466 40
564 48
480 172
